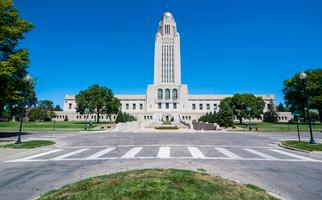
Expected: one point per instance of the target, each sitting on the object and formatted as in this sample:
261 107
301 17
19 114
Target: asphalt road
247 158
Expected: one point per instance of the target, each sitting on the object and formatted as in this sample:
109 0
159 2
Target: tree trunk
304 115
98 117
240 120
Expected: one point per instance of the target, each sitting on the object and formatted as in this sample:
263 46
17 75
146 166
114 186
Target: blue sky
227 46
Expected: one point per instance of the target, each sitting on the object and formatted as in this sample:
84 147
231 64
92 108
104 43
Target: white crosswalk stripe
292 155
164 152
228 153
261 154
132 152
195 152
100 153
41 154
69 154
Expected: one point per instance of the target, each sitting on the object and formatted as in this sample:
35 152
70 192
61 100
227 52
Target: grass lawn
30 144
45 126
282 127
303 145
157 184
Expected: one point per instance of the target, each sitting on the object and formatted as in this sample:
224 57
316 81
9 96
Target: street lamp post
86 117
303 77
27 79
297 115
249 109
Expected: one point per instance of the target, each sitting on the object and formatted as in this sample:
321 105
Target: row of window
258 118
167 105
127 106
186 117
167 63
148 117
167 94
201 106
84 117
167 29
282 118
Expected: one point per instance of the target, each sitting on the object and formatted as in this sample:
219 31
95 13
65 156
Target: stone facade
166 98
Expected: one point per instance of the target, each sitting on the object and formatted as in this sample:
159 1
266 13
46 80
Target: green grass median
303 145
30 144
157 184
45 126
281 127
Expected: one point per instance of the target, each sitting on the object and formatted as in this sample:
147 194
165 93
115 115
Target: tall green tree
46 104
271 115
98 100
44 111
13 60
240 102
281 108
225 116
57 108
209 117
294 92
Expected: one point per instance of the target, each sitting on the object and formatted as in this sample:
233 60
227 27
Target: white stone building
167 98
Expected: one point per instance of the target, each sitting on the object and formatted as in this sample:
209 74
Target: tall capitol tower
167 99
167 64
167 95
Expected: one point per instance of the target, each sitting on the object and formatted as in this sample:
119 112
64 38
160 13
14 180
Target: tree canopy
13 60
271 114
240 102
294 92
225 115
44 111
98 100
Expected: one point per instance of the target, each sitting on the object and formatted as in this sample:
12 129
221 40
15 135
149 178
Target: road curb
292 148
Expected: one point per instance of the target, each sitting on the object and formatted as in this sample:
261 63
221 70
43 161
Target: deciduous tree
271 115
98 100
225 115
294 92
240 102
13 61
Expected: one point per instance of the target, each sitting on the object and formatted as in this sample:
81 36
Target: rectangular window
134 106
127 106
208 106
167 105
215 107
193 106
159 105
174 106
200 106
141 106
70 106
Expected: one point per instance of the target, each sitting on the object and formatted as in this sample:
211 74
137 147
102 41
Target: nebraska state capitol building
167 98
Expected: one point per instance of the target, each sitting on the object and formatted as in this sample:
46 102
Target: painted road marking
261 154
228 153
41 154
292 155
132 152
69 154
164 152
100 153
195 152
